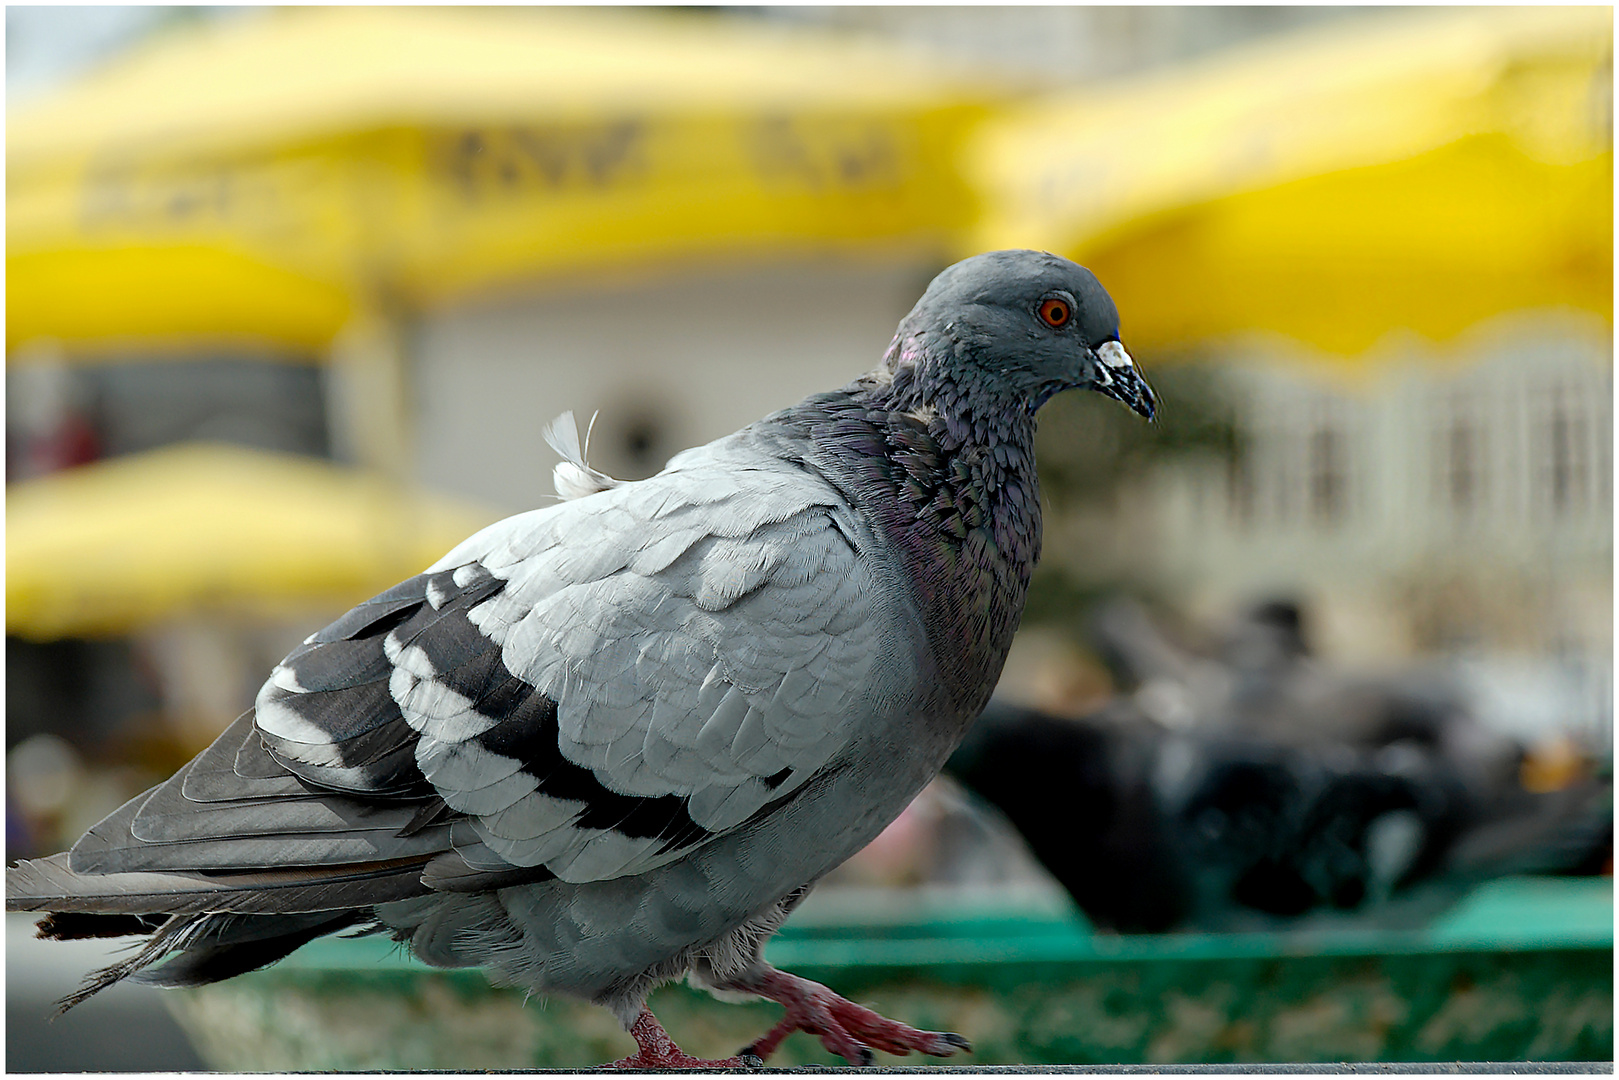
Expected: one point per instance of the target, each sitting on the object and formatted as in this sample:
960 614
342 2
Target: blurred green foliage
1090 451
1089 447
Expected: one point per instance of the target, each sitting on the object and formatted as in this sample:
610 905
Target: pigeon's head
1022 325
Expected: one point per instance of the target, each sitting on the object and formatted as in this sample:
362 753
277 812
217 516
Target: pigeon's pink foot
656 1050
846 1029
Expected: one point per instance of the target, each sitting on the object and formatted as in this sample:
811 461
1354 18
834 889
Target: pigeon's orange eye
1055 312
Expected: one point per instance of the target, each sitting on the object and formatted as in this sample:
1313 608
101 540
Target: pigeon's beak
1119 379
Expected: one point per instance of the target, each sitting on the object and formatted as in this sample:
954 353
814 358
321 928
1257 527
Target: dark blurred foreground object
1153 830
1257 784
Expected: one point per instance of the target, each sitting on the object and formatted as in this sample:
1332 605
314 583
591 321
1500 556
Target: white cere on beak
1113 355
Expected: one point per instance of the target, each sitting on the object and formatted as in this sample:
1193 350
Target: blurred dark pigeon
1151 829
1260 677
615 741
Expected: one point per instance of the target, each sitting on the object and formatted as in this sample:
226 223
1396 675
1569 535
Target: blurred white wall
671 362
1062 45
1488 460
1457 501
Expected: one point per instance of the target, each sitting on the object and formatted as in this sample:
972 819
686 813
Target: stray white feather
572 477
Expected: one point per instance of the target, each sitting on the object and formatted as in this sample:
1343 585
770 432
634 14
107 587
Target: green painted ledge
1521 970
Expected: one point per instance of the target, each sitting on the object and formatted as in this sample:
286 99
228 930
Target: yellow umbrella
1420 171
205 527
262 177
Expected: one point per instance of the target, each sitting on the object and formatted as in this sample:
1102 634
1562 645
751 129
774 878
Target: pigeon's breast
958 527
970 574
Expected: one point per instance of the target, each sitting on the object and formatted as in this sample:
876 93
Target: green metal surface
1520 970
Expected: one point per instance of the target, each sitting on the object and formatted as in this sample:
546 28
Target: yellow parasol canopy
1412 170
260 177
203 527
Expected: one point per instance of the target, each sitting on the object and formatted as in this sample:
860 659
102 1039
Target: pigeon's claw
848 1030
656 1050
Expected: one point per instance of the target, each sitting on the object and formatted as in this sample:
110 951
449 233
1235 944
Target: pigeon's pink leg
845 1028
656 1050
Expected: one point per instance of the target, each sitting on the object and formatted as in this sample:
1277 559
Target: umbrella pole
367 414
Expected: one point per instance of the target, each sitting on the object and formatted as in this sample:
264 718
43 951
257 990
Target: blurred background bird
1255 787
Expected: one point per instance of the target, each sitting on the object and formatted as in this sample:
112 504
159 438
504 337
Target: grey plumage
614 740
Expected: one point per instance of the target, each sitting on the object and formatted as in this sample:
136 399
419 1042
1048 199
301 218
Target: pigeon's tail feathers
223 946
206 926
455 872
573 477
84 925
207 948
50 885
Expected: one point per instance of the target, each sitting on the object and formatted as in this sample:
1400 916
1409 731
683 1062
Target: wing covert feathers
583 692
602 685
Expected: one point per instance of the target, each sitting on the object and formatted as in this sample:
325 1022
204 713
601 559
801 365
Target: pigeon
1151 829
1262 678
616 740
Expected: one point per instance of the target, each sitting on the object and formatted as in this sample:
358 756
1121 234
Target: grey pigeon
614 741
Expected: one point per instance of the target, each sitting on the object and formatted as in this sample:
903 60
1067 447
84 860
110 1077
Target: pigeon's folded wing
584 691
